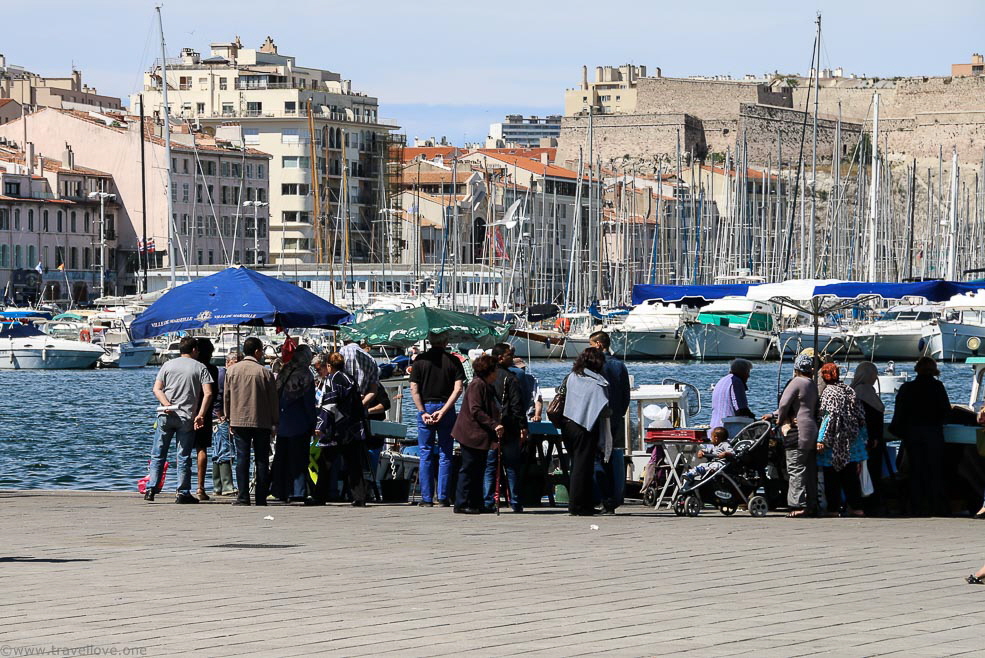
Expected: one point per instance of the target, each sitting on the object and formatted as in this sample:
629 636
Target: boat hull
574 346
833 342
33 358
708 342
653 344
128 355
908 346
948 341
527 348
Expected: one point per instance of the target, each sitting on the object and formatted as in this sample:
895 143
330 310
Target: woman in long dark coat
478 430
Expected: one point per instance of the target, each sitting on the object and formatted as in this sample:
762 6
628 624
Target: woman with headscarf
797 418
586 430
296 389
922 406
340 429
863 383
841 444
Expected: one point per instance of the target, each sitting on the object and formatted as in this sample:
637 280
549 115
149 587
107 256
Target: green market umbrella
407 328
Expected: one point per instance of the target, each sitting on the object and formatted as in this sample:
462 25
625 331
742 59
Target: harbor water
92 429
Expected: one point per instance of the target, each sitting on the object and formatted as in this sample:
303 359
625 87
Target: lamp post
102 196
256 233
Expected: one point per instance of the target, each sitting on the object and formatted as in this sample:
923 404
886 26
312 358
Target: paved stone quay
108 574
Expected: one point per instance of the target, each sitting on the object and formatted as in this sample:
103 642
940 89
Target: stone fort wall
642 137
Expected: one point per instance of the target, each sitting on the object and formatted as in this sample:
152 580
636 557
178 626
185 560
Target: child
719 448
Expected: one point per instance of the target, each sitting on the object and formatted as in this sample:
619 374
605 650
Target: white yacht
731 327
652 330
24 347
962 318
129 354
898 334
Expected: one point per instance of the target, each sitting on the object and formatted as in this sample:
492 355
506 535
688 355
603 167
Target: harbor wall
640 136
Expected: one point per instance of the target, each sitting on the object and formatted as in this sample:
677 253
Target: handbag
866 480
555 410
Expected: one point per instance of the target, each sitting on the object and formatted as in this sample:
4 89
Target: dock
100 572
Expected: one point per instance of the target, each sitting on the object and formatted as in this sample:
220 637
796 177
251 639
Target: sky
452 68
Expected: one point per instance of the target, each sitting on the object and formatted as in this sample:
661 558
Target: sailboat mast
167 149
811 255
874 191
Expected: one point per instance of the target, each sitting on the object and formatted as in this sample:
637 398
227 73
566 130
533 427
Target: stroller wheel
679 505
692 505
727 510
650 497
758 506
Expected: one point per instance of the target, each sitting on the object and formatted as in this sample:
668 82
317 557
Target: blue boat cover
932 291
237 295
18 330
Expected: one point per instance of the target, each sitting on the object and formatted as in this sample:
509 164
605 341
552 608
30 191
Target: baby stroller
736 481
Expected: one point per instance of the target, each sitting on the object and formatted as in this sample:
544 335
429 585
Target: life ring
85 336
563 325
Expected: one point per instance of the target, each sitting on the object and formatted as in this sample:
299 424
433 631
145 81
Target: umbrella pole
817 358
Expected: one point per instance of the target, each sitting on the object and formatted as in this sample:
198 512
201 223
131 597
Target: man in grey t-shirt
185 390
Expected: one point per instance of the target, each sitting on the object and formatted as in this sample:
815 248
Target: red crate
676 434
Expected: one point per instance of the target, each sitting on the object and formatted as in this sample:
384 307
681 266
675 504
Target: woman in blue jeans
296 388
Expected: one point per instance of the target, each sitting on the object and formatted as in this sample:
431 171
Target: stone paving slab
105 572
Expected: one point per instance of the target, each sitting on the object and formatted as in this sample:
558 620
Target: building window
59 256
223 83
59 223
44 221
237 170
174 165
296 216
290 107
211 257
185 192
86 258
4 219
17 219
86 223
199 108
30 220
73 258
209 167
184 224
261 194
11 188
296 162
254 108
294 189
4 258
251 135
290 136
260 171
248 170
199 227
198 194
174 191
224 168
185 82
73 228
18 257
227 110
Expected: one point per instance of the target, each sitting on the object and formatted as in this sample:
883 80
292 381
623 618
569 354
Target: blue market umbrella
237 296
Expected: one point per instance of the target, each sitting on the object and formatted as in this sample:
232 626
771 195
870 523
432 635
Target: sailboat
652 330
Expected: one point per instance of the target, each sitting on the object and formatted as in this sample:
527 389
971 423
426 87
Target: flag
140 246
149 248
40 268
61 267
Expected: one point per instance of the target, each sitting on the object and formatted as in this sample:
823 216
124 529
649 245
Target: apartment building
50 241
264 97
527 132
210 181
33 90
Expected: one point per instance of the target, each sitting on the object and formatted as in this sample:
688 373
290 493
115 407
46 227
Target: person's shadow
50 560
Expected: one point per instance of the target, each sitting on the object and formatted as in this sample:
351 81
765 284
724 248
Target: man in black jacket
509 392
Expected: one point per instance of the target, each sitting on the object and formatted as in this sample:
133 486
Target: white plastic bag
658 415
866 480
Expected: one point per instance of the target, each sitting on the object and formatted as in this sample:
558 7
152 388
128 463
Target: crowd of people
311 411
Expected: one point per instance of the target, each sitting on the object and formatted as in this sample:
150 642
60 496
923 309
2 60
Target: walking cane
499 467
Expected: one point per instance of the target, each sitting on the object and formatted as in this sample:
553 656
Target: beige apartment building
50 228
975 67
32 90
613 91
210 182
262 97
